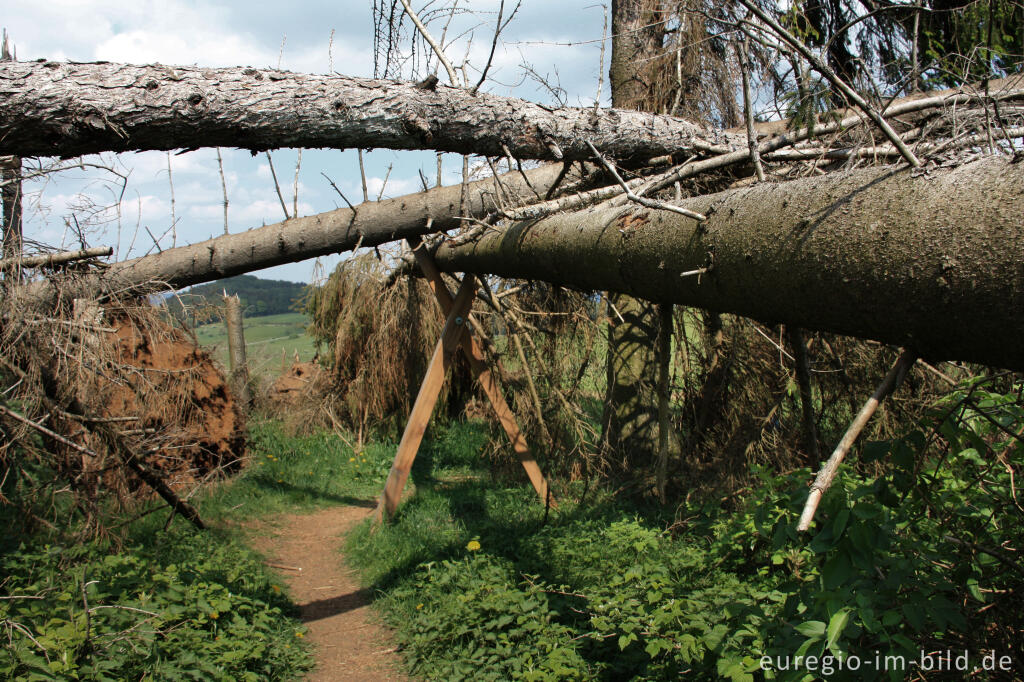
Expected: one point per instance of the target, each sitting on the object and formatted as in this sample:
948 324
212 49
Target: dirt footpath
349 644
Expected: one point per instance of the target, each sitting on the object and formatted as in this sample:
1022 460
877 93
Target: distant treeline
259 297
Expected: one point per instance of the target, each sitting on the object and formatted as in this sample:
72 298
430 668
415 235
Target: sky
561 41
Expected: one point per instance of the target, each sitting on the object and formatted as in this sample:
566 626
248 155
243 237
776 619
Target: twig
600 70
224 188
330 53
828 471
362 176
836 81
748 111
277 186
643 201
340 194
433 43
384 184
295 185
170 181
494 43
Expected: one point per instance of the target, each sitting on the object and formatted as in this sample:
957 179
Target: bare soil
294 382
350 645
175 388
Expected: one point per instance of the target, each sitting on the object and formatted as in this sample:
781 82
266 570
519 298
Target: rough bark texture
10 192
10 200
67 109
638 34
933 262
235 323
630 418
344 229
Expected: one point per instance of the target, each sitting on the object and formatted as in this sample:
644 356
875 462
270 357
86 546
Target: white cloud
395 187
261 211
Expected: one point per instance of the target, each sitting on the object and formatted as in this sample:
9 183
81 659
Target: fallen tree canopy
933 262
67 109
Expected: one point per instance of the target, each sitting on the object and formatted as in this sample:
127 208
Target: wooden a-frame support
456 334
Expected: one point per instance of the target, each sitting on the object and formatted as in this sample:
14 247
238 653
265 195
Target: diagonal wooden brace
478 363
455 327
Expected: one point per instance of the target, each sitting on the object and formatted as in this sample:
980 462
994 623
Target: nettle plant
919 560
916 557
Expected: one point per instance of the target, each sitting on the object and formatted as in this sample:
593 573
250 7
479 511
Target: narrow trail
349 644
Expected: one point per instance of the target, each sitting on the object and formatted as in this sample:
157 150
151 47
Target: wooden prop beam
478 363
451 338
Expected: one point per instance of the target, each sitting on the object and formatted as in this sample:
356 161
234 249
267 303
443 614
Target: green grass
265 340
179 603
482 582
286 474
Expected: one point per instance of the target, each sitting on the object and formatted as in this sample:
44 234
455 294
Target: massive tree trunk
67 109
929 261
933 262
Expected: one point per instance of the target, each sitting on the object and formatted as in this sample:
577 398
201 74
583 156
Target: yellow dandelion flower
419 606
351 459
214 616
473 546
299 635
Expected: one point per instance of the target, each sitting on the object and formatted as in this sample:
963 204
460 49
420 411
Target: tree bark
68 109
932 262
368 224
235 323
630 417
10 193
10 200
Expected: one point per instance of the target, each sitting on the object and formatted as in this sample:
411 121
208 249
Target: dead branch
831 467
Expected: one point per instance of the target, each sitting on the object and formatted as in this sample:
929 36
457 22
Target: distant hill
259 296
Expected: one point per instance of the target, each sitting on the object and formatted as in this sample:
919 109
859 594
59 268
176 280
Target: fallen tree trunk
68 109
928 261
933 262
368 224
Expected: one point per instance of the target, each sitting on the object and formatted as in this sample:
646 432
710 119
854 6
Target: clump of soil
295 382
181 403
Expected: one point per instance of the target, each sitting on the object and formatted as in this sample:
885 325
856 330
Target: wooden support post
483 374
451 337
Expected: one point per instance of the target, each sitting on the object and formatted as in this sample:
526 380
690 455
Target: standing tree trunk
236 350
630 419
10 191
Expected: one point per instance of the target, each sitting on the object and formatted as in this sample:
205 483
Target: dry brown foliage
379 336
